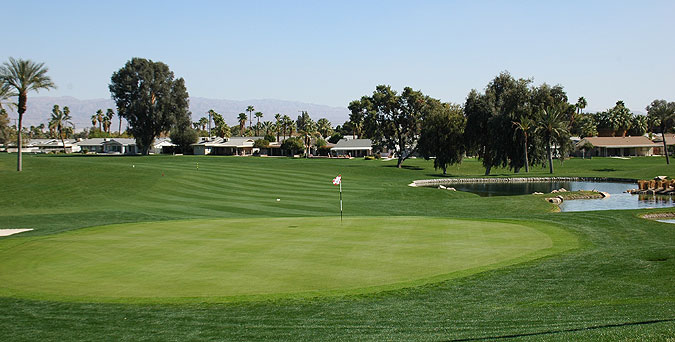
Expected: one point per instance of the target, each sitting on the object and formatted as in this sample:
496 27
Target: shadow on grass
605 170
407 167
490 338
61 155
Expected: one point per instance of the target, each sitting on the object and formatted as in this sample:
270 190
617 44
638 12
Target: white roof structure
353 145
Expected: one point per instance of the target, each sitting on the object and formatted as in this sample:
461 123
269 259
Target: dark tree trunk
119 131
22 109
527 161
550 156
665 146
488 162
18 143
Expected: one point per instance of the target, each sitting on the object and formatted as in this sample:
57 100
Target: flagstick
340 201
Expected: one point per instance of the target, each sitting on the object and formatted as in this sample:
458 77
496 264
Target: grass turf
234 259
618 285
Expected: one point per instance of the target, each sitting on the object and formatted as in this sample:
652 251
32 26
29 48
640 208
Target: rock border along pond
450 181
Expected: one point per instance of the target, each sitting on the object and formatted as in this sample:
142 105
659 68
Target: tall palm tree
307 130
258 115
277 126
22 76
61 124
525 125
110 114
242 123
250 110
288 125
324 127
662 113
203 121
266 127
552 125
581 104
99 118
94 120
106 124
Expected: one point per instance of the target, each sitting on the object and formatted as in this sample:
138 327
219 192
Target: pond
618 199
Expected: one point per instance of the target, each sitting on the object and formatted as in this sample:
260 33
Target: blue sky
333 52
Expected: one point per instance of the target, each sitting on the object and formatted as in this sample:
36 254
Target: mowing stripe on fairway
219 260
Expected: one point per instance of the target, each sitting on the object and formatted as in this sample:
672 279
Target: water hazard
618 198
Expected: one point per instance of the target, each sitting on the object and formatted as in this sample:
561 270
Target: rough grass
617 286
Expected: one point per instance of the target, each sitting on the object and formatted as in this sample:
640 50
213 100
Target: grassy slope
625 273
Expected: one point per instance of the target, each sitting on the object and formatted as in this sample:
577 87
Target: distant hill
40 107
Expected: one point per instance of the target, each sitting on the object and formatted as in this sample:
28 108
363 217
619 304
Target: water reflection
618 199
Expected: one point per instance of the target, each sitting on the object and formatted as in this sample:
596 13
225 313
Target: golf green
218 260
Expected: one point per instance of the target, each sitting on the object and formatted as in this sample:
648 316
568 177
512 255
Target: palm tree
61 124
109 113
242 123
106 124
94 120
277 126
552 125
99 118
289 125
250 110
581 104
308 130
324 127
258 115
203 121
525 125
22 76
662 113
266 127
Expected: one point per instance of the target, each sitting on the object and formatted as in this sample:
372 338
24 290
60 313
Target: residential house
353 148
92 145
120 146
44 146
234 146
619 146
658 138
162 145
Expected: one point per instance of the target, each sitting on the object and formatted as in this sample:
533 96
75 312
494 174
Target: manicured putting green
234 259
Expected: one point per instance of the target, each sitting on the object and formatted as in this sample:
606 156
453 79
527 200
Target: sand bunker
8 232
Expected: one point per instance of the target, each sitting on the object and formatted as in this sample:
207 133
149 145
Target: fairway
229 259
154 248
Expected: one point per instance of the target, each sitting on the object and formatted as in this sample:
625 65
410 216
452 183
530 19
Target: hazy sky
333 52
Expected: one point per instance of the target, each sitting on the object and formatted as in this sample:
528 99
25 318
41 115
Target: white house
238 146
44 146
160 145
353 148
120 146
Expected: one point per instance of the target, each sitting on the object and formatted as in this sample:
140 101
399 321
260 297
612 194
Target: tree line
512 123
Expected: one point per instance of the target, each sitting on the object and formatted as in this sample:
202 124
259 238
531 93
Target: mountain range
40 107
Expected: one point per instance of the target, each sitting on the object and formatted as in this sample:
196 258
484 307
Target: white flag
337 180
